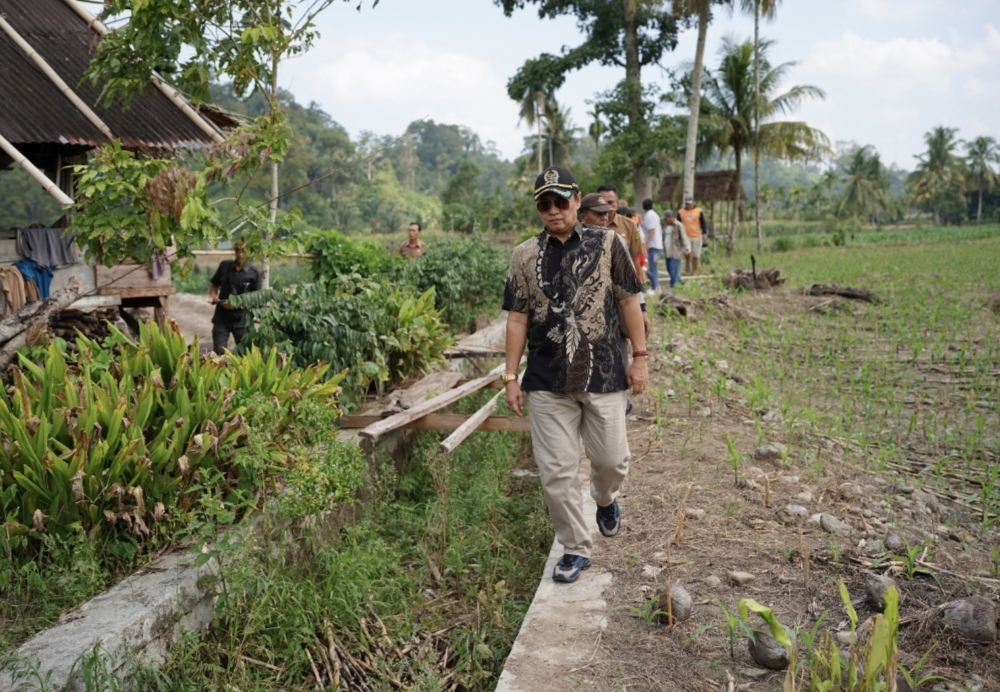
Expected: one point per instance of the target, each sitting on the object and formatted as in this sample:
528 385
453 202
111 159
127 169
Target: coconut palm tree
980 156
866 185
731 107
702 8
532 105
559 134
938 175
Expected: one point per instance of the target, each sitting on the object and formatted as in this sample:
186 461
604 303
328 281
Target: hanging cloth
42 276
13 287
47 246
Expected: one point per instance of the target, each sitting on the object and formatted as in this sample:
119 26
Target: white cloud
385 86
890 92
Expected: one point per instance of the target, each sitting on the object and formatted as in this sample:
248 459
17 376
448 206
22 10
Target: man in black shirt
233 277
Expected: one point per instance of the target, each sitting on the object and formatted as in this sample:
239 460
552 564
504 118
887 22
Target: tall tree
866 185
981 154
532 101
937 179
703 10
625 33
730 102
243 40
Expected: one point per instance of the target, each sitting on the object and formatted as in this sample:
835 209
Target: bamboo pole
21 160
389 424
58 81
473 423
168 91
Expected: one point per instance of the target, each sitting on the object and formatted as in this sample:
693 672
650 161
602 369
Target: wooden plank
449 444
137 291
131 275
88 302
442 422
440 401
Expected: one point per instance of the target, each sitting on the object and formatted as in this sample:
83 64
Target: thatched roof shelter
709 186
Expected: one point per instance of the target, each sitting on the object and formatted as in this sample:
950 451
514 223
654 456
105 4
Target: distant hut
709 187
50 118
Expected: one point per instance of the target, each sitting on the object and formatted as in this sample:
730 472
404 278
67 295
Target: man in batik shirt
571 292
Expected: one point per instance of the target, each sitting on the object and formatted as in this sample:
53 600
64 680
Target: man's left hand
638 375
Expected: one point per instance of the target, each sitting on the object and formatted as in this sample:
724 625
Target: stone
712 581
651 571
670 393
774 416
740 578
768 453
704 412
790 514
754 673
722 365
832 524
789 480
843 638
785 579
805 497
747 483
894 543
874 547
695 514
755 471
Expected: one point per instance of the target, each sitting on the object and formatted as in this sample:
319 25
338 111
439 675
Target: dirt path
193 314
745 519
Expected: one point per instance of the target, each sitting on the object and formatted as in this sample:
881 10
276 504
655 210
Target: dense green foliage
112 449
445 541
371 332
467 274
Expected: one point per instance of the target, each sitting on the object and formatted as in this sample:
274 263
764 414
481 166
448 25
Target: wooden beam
32 170
440 401
442 422
472 424
137 291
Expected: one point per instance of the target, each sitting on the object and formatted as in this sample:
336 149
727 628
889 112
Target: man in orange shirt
693 220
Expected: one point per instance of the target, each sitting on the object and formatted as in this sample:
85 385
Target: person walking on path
413 247
677 246
694 223
624 226
569 290
654 243
233 277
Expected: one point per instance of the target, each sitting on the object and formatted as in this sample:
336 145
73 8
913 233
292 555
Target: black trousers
221 332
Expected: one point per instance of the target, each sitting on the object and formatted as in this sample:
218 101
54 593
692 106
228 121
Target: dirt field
866 424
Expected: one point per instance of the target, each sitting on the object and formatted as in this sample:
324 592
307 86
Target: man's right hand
515 398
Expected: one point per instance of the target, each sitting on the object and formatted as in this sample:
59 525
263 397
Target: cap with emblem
689 200
594 202
558 180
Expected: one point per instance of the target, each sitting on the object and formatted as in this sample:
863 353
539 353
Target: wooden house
50 118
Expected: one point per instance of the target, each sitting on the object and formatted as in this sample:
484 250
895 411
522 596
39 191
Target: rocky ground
725 500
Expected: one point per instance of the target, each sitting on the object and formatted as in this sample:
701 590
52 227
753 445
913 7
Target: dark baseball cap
558 180
594 202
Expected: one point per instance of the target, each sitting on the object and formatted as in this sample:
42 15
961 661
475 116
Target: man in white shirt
654 242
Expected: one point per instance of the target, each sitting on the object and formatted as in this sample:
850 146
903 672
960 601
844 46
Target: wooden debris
19 329
374 661
973 618
844 292
748 280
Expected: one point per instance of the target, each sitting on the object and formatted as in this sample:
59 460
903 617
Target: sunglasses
543 205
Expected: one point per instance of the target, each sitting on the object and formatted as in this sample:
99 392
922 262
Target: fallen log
842 291
59 300
754 280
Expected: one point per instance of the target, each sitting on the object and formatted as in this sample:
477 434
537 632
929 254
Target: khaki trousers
558 421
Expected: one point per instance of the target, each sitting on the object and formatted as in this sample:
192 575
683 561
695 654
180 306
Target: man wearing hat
570 291
693 220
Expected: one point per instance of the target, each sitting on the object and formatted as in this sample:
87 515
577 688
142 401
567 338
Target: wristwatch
508 377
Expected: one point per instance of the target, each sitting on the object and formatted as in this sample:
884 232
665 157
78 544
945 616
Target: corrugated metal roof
32 109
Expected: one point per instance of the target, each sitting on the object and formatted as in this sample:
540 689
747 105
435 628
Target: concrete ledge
560 629
140 617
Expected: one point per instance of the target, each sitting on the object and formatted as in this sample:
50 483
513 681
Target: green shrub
336 255
114 441
363 327
811 241
468 277
783 244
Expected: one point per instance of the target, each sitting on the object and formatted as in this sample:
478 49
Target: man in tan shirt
414 246
623 226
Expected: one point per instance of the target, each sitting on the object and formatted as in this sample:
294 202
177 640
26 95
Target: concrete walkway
561 629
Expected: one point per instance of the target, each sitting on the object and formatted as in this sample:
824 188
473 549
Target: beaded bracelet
637 354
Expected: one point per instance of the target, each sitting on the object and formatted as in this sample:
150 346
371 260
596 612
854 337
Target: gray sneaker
569 567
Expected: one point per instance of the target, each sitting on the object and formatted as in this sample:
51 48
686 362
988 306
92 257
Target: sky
891 69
